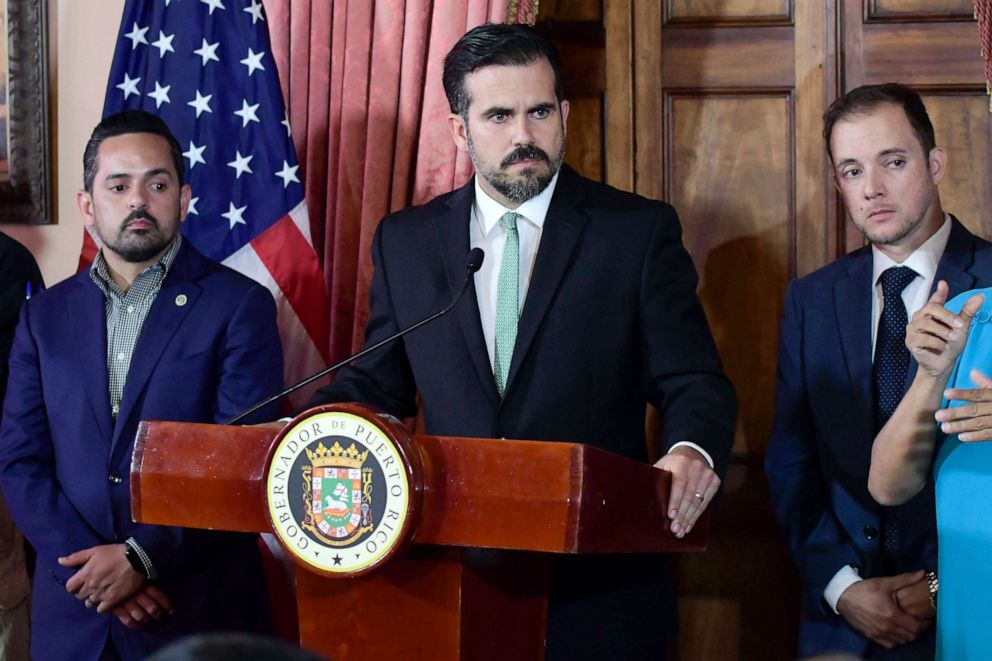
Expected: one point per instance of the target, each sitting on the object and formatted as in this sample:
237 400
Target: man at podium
584 311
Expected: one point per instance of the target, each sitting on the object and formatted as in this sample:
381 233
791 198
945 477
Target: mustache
138 214
525 153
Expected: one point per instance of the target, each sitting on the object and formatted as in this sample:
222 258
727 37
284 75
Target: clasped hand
106 581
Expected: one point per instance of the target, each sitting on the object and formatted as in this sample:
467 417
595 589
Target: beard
526 184
137 245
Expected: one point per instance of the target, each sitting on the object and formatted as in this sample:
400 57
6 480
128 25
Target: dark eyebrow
496 110
847 161
147 175
894 151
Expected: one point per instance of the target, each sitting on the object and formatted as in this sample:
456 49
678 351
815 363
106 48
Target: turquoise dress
963 474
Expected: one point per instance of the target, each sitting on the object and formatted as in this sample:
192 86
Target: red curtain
362 79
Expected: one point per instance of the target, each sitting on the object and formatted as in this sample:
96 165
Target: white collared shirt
486 232
924 261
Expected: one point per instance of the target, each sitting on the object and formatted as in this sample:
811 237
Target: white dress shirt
486 232
924 261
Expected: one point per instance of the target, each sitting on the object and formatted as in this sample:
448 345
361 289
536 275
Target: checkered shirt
126 314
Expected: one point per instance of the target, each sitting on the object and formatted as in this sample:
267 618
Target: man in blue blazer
842 367
584 311
153 330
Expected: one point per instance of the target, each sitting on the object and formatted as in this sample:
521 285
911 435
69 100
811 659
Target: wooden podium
434 593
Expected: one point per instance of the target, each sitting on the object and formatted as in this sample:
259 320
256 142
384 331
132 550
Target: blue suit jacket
820 449
611 321
61 450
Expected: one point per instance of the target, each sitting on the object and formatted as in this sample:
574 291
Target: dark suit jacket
820 449
611 322
17 270
61 451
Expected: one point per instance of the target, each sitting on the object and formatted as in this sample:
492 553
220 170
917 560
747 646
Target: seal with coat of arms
337 492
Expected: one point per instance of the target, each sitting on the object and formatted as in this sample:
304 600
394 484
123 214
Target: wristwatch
934 584
137 565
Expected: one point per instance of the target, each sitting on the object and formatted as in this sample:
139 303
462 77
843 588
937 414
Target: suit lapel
87 310
453 237
852 310
562 228
164 319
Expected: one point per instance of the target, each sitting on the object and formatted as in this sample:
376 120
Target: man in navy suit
584 311
842 366
153 330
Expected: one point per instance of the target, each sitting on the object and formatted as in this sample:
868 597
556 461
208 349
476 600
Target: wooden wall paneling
649 161
722 12
912 10
618 19
921 53
761 56
815 45
731 177
581 46
963 128
584 147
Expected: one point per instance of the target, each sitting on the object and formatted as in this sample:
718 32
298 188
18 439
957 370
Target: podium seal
338 492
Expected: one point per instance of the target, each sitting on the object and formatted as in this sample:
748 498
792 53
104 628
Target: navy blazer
820 449
208 349
611 322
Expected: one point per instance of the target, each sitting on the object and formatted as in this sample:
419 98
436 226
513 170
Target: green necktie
507 301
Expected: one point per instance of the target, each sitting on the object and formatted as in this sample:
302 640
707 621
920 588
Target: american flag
206 68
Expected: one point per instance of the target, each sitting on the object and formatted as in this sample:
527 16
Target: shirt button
120 356
116 409
130 308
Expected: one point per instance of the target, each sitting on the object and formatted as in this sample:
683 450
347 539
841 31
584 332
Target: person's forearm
903 450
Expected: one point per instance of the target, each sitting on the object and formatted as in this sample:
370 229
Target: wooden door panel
961 124
920 54
706 58
724 11
730 173
918 9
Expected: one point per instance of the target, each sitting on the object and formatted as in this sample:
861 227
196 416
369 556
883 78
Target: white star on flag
240 164
256 11
201 103
288 174
234 215
247 113
192 206
137 36
195 154
161 94
285 122
129 86
213 4
253 61
208 52
164 43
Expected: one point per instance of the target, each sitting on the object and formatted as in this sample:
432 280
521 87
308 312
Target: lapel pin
181 300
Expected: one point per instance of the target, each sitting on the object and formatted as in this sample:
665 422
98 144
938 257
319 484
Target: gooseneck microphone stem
474 263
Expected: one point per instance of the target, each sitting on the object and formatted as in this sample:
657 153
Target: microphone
474 263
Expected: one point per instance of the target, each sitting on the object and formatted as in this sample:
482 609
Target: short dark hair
123 123
863 100
495 44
